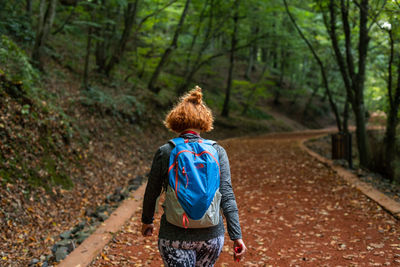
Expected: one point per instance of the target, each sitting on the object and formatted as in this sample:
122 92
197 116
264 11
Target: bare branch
65 22
155 13
321 65
374 18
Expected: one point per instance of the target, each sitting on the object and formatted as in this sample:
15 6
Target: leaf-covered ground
294 211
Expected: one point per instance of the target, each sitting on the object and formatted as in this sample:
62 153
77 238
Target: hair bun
194 96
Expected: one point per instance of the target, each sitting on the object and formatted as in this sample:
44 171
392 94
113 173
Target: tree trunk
309 102
251 59
345 127
100 54
106 35
361 133
200 63
87 57
45 22
29 8
190 71
322 69
390 142
358 87
274 51
277 93
194 39
253 91
129 21
264 54
353 81
225 108
392 119
153 80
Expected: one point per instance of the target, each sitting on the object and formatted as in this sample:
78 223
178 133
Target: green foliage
121 106
248 94
15 63
291 71
258 113
16 22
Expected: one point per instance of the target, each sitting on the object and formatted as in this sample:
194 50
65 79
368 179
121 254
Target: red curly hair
190 113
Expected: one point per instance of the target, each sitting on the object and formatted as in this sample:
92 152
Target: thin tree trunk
87 57
191 71
253 91
322 69
250 65
129 21
153 80
100 54
200 21
309 102
225 108
29 7
277 93
345 127
335 44
274 51
252 55
45 22
71 14
196 67
264 54
106 34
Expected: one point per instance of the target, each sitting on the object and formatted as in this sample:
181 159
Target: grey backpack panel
174 212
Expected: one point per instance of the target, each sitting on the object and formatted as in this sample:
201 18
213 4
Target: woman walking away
194 173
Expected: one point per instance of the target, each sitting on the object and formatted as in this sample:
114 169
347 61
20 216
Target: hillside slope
115 153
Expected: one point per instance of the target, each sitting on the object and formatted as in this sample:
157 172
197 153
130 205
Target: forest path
294 211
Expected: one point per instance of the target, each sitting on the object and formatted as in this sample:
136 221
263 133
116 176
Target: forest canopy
338 59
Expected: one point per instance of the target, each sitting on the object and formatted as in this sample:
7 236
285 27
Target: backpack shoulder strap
209 142
177 141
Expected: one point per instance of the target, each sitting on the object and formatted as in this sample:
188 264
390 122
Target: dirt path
294 211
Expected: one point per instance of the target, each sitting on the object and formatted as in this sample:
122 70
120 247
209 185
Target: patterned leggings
190 253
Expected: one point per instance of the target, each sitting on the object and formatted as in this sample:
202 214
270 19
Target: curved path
294 211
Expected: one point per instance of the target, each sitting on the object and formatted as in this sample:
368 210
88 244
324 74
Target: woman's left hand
239 249
147 229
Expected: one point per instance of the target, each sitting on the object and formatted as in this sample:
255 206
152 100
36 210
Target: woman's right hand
147 229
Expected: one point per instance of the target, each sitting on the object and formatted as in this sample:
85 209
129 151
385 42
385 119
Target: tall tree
174 44
192 66
87 57
129 20
393 94
47 11
321 67
353 72
225 108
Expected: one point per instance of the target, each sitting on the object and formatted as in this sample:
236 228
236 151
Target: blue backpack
192 196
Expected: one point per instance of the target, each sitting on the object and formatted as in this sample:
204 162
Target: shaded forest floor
294 211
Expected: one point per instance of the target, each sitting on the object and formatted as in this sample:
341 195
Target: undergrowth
35 136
